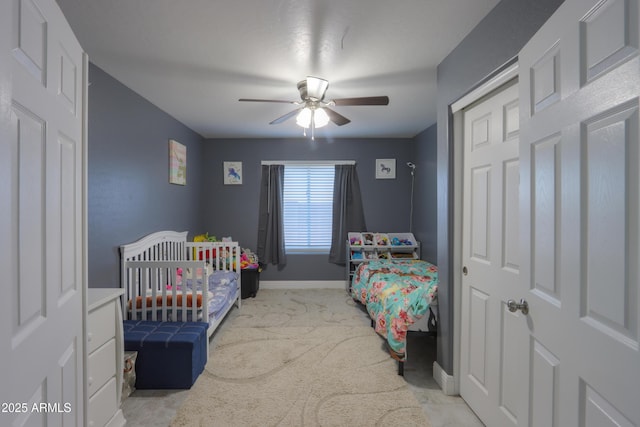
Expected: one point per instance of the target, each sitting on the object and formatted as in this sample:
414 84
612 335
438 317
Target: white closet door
491 336
42 216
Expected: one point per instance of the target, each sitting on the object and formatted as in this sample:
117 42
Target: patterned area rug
300 358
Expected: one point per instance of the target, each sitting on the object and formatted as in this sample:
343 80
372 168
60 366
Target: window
308 207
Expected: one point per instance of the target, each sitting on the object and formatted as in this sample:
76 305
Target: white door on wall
42 75
579 156
491 336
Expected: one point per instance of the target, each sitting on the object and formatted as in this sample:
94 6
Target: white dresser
105 349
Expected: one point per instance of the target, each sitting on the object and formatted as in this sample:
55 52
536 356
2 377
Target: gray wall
129 194
232 210
497 39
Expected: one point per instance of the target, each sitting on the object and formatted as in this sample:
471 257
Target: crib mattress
223 289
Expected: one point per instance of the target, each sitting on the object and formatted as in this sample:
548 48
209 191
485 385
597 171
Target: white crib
166 278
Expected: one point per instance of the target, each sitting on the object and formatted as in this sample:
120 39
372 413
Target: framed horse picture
232 173
385 168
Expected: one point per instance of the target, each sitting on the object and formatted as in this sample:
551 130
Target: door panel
477 367
608 36
599 412
580 201
510 392
511 212
607 247
544 386
480 213
30 298
545 158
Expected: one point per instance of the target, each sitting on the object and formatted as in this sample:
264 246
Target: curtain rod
308 162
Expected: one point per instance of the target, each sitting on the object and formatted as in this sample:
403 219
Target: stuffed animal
248 259
204 238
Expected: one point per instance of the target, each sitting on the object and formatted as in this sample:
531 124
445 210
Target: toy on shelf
368 239
401 242
371 255
382 240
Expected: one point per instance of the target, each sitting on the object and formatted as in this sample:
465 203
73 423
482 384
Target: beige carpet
300 358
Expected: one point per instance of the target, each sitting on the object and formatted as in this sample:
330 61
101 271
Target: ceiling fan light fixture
303 119
312 117
320 118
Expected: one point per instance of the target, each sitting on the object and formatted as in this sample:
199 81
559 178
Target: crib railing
165 290
221 256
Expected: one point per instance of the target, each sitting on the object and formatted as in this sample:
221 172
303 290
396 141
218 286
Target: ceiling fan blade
285 117
266 100
336 118
367 100
316 87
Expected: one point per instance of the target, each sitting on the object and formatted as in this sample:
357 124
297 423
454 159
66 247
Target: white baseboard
302 284
444 380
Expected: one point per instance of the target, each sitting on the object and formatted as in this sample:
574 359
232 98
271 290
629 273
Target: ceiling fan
314 111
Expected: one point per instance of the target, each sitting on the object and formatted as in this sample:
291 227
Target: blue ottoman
171 355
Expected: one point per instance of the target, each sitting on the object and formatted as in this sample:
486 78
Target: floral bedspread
396 294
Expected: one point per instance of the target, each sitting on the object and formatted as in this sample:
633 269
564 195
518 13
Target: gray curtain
348 213
270 225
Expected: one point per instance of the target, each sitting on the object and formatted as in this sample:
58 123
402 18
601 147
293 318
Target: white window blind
308 207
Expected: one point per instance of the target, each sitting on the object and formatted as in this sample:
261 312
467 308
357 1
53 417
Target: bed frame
152 263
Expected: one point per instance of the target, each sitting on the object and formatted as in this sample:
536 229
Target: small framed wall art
232 173
385 168
177 163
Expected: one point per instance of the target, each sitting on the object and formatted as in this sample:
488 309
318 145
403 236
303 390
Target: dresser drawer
103 404
102 366
101 325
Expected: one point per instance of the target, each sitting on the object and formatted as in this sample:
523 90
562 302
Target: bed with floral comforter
396 293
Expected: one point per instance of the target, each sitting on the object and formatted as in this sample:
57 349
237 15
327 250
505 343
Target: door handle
523 306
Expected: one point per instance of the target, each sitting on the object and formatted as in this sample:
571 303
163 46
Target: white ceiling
195 58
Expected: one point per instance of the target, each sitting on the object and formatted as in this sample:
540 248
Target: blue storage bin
171 355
